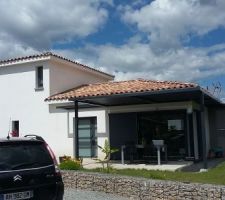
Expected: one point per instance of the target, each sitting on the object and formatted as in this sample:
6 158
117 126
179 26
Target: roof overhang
152 97
24 61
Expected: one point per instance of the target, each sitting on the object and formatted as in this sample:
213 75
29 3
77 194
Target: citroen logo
17 178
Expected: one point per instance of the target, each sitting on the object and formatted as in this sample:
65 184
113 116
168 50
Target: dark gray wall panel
123 129
217 127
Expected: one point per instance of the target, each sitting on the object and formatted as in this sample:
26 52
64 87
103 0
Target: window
15 129
39 78
23 156
175 124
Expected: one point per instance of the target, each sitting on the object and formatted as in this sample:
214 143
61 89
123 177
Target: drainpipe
75 132
203 132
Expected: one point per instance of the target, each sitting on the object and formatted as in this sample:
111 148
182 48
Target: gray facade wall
123 130
217 127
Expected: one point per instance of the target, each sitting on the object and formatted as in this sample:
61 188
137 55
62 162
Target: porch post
75 134
188 134
203 132
195 136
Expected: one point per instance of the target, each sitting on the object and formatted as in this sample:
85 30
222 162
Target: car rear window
24 156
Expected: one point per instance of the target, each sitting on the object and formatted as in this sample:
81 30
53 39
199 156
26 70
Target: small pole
158 155
122 154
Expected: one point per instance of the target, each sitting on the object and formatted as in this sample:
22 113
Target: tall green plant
107 150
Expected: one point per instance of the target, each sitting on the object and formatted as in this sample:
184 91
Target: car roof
19 139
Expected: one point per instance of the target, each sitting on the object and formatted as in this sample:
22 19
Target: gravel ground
72 194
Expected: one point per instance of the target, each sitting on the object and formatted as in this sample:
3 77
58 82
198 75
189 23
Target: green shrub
70 165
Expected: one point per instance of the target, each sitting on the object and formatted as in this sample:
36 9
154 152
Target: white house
49 95
27 81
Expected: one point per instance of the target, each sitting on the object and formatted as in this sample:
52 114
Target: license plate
17 195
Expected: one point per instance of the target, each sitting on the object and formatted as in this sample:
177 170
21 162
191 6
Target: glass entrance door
87 137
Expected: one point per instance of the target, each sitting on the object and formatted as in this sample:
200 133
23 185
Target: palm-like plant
107 150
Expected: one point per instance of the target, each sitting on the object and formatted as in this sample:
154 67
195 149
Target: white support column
103 131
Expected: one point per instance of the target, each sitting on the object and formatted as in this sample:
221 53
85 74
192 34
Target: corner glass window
39 77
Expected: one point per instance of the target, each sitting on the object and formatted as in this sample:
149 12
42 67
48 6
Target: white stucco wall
19 99
21 102
64 76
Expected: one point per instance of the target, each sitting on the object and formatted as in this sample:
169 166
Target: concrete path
170 166
73 194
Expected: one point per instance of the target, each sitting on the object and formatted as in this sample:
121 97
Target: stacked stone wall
140 188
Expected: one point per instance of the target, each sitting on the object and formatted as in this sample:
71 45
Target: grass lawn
213 176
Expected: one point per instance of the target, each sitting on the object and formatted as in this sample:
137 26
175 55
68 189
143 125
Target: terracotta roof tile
121 87
47 54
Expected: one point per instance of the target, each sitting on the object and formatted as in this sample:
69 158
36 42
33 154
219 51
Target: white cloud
11 49
168 22
136 60
36 24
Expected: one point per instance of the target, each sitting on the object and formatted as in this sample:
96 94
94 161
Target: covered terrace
178 110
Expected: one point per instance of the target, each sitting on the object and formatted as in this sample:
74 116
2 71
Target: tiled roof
47 54
121 87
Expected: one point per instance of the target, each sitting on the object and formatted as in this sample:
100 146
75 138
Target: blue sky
181 40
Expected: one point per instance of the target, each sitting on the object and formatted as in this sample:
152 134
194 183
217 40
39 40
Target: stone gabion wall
140 188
